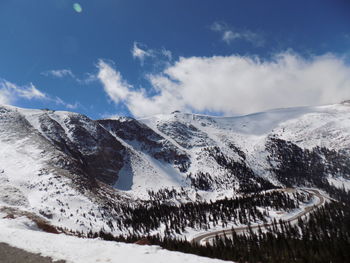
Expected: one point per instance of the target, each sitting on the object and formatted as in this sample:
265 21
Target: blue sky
139 58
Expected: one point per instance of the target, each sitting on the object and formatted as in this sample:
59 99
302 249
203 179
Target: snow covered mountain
75 172
257 150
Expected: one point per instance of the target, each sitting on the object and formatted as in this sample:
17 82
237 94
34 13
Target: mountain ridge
78 172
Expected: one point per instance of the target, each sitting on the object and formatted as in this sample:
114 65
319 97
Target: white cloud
5 97
116 88
59 73
64 73
233 84
10 92
229 35
69 106
167 53
137 101
89 78
139 53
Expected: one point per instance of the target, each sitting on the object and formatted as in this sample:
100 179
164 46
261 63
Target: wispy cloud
113 83
59 101
59 73
233 84
10 92
5 96
67 73
141 52
229 35
167 53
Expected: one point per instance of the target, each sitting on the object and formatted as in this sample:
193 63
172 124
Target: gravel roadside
10 254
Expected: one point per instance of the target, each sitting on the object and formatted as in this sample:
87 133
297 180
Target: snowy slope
36 176
22 234
306 127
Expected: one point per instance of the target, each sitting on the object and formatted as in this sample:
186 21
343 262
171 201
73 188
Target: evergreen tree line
144 218
322 237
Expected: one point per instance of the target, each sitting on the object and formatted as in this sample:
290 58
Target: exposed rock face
100 154
144 139
93 149
185 134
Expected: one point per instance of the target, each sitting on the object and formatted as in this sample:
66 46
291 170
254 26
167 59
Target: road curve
204 238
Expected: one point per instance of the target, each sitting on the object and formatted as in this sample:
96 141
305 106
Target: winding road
206 237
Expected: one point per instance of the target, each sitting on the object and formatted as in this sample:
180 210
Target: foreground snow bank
21 233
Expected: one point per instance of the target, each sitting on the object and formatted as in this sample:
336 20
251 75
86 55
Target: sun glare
77 7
